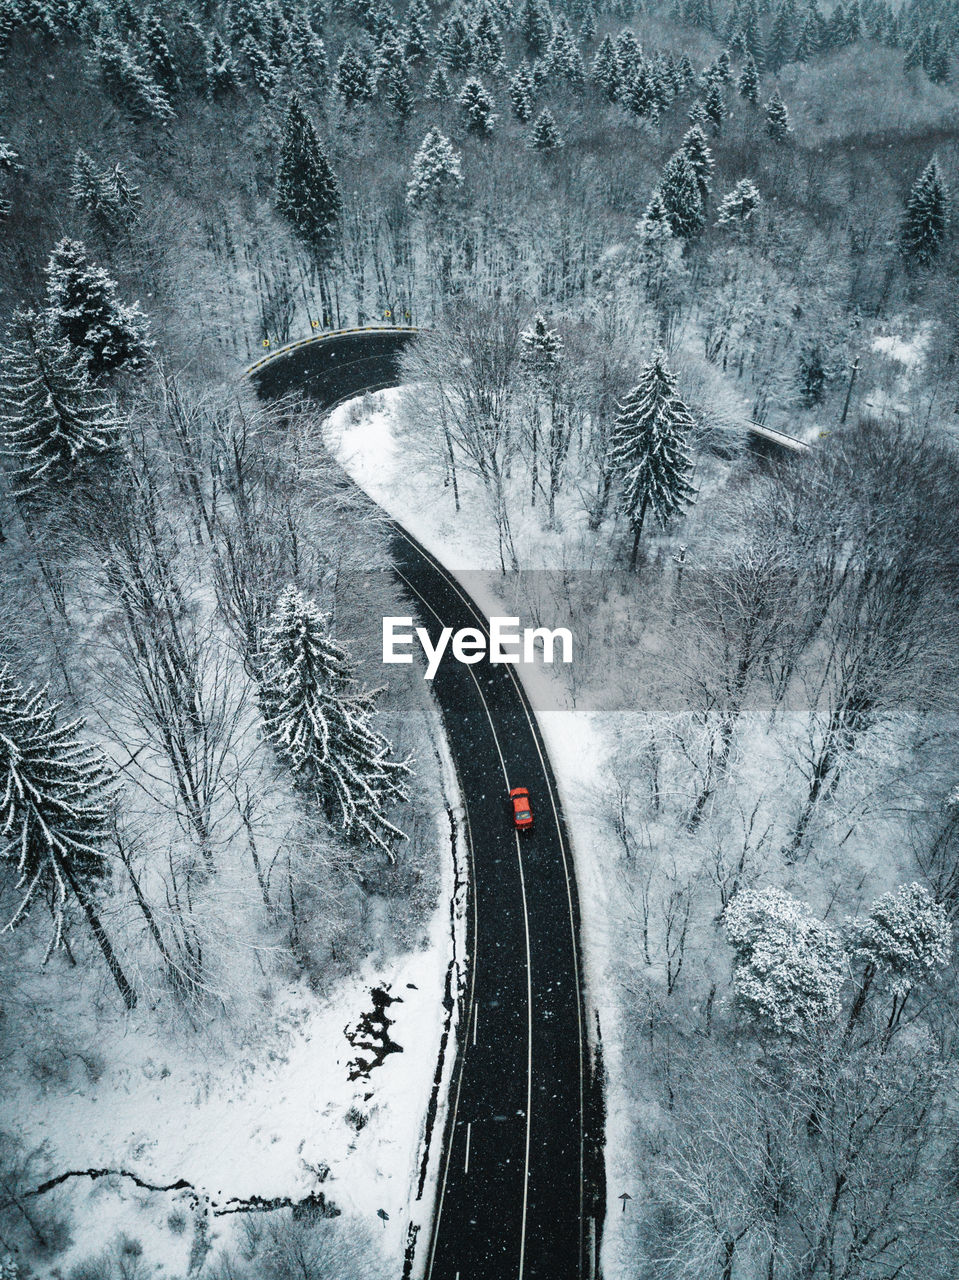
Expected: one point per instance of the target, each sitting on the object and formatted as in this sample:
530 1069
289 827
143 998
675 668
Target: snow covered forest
628 229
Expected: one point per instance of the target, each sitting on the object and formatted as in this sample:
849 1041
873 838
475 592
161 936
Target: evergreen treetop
435 173
320 725
307 191
926 216
52 419
83 306
650 449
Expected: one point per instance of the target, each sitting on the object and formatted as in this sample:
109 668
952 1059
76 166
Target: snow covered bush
789 966
905 937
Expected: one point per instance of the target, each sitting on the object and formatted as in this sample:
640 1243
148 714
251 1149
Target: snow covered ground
265 1109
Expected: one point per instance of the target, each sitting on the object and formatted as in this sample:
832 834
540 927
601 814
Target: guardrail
790 443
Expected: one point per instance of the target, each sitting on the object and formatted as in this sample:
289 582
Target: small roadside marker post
624 1197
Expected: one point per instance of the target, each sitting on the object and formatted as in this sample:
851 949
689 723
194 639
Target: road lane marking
529 1051
459 1080
475 1022
473 608
469 1130
529 975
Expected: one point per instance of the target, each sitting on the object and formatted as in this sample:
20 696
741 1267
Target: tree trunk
119 977
637 530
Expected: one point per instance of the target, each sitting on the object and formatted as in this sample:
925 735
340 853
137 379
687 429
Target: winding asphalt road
521 1190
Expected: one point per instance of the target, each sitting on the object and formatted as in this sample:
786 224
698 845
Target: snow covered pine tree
307 192
52 419
435 173
320 725
54 809
82 306
926 217
650 449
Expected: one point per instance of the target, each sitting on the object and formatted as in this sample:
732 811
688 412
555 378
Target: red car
522 815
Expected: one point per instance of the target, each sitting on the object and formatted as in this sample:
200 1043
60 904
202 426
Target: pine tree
659 253
9 158
128 83
53 420
111 198
914 57
220 73
86 186
7 24
477 107
307 191
542 347
389 51
739 205
926 217
488 44
679 188
782 39
545 136
628 55
700 156
638 95
650 449
158 57
123 195
246 20
748 84
434 175
417 41
777 119
714 104
563 58
353 79
697 115
812 374
321 725
456 43
853 22
82 306
55 808
398 92
522 93
587 28
939 65
438 88
605 69
535 24
312 62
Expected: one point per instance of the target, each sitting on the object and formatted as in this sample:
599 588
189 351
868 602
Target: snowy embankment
365 437
295 1105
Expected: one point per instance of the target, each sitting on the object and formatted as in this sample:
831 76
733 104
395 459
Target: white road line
459 1080
475 1022
469 1131
529 1051
529 976
483 621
